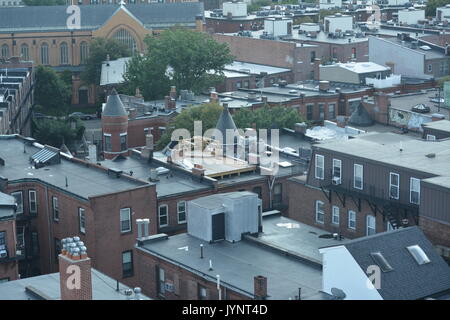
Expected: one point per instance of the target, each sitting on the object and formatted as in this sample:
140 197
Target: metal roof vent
431 155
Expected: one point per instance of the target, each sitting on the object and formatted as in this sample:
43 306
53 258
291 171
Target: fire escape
399 214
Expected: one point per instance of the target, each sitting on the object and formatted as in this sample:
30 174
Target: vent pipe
201 251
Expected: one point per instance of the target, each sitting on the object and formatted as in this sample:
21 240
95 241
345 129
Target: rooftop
254 68
429 97
441 125
359 67
82 180
103 288
7 204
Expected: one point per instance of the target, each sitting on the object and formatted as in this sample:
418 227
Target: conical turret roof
225 122
114 106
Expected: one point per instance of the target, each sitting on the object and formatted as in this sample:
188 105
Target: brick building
16 96
375 182
49 41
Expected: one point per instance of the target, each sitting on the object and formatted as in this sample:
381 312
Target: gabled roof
360 117
408 280
225 122
43 18
114 106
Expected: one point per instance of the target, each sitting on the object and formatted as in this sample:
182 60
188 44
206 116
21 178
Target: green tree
430 9
207 113
56 132
194 60
147 75
276 117
44 2
327 12
51 92
256 5
99 49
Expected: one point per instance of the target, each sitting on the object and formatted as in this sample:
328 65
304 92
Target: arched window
64 54
84 52
5 51
127 39
25 52
44 53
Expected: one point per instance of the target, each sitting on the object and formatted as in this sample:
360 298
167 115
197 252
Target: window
127 39
313 56
258 191
202 293
127 264
370 223
321 111
277 194
353 53
246 84
20 234
389 226
320 214
418 254
352 105
123 142
163 215
337 165
334 52
5 51
25 52
64 54
238 84
352 219
331 111
32 201
394 185
82 220
320 167
108 146
125 220
358 176
430 68
55 208
431 137
34 243
3 252
84 52
381 261
335 215
44 53
309 111
18 196
181 208
414 191
161 281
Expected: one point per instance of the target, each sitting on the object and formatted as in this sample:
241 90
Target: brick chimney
382 103
173 92
198 170
213 97
147 152
317 69
260 287
74 270
264 99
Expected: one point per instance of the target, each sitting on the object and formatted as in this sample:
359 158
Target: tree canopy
187 59
99 49
276 117
207 113
44 2
51 92
56 132
430 9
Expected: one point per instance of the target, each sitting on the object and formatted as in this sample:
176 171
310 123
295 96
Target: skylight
418 254
425 48
381 261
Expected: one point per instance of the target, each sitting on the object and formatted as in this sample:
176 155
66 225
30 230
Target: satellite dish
338 294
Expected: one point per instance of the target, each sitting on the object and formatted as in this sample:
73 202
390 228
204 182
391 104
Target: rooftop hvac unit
153 175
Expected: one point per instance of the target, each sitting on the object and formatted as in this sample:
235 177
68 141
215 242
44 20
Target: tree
430 9
256 5
441 81
56 132
207 113
99 49
193 60
147 75
51 92
44 2
276 117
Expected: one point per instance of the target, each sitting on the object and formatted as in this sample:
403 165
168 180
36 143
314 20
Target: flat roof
238 263
103 288
431 53
82 180
254 68
385 148
359 67
441 125
112 71
407 101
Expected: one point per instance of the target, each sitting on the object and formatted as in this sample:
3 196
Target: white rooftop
112 71
361 67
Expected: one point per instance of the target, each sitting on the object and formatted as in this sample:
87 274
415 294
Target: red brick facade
9 270
437 232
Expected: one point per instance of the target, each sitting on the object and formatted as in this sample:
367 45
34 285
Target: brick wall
437 232
9 270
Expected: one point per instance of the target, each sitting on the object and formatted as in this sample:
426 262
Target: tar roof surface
385 148
103 288
441 125
82 181
238 264
6 203
408 280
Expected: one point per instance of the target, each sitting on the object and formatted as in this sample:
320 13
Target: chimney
213 97
198 170
340 120
264 99
324 86
260 287
382 104
147 152
173 92
317 69
166 103
74 270
138 93
199 22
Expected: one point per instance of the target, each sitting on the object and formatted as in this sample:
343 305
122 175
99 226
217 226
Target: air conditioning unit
336 180
169 287
3 254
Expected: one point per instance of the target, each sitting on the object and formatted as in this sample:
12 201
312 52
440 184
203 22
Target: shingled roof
360 117
225 122
408 280
114 106
54 18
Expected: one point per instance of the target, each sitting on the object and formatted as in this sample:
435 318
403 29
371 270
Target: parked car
38 115
82 116
421 108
